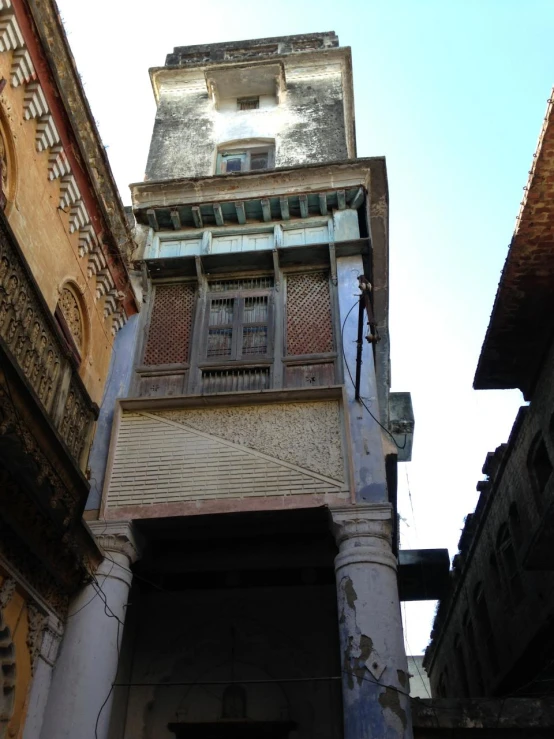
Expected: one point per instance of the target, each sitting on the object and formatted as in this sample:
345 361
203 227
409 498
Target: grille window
248 103
253 283
308 314
170 325
239 324
235 380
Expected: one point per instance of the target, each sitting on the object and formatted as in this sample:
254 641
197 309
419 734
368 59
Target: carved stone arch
7 676
72 315
8 164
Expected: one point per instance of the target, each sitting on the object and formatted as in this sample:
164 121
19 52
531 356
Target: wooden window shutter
170 328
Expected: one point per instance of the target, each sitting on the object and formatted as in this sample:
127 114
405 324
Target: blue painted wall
117 386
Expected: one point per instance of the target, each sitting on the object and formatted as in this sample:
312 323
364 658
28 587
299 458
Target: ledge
260 397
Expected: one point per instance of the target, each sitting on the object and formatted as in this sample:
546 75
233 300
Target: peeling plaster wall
308 123
281 632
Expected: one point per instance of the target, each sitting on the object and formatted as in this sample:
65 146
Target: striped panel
159 461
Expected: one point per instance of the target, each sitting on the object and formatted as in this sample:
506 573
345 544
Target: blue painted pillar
368 459
117 386
375 680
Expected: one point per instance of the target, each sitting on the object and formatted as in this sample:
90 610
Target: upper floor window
509 563
245 158
70 320
250 103
539 464
239 319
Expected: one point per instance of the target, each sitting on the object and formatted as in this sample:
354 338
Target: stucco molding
117 537
363 535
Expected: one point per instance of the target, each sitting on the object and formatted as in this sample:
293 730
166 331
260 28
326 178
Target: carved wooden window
309 321
239 320
70 320
170 326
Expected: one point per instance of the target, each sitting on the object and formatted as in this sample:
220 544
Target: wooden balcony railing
31 336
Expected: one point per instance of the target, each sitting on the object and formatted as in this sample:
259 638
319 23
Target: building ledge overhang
261 260
242 186
521 325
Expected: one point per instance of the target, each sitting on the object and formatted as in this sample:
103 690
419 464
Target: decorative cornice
363 535
118 537
7 589
47 138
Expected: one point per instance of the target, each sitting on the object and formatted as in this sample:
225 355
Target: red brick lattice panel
309 320
170 325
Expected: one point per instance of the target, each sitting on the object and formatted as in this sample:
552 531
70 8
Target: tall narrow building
247 500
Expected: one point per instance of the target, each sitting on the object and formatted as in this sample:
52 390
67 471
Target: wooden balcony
46 422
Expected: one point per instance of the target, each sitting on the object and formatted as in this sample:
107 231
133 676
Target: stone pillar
81 693
374 667
43 666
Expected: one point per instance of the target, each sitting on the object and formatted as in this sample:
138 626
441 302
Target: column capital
363 534
119 537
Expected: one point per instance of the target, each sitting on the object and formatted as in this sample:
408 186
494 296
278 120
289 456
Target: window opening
474 660
460 660
251 103
515 524
220 332
233 164
246 158
495 573
510 564
539 464
259 161
239 324
485 625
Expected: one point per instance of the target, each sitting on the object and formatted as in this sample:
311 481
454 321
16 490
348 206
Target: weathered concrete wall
226 635
307 121
519 601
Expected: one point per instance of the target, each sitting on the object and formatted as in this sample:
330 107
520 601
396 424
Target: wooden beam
197 216
152 219
323 203
176 220
276 269
218 213
333 263
341 199
358 199
241 213
303 200
266 210
284 203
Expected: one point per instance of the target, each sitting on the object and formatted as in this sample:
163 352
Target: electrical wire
361 400
108 611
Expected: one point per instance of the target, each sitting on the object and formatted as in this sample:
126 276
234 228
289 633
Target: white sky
453 94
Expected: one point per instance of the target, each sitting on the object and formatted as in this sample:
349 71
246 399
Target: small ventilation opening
251 103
